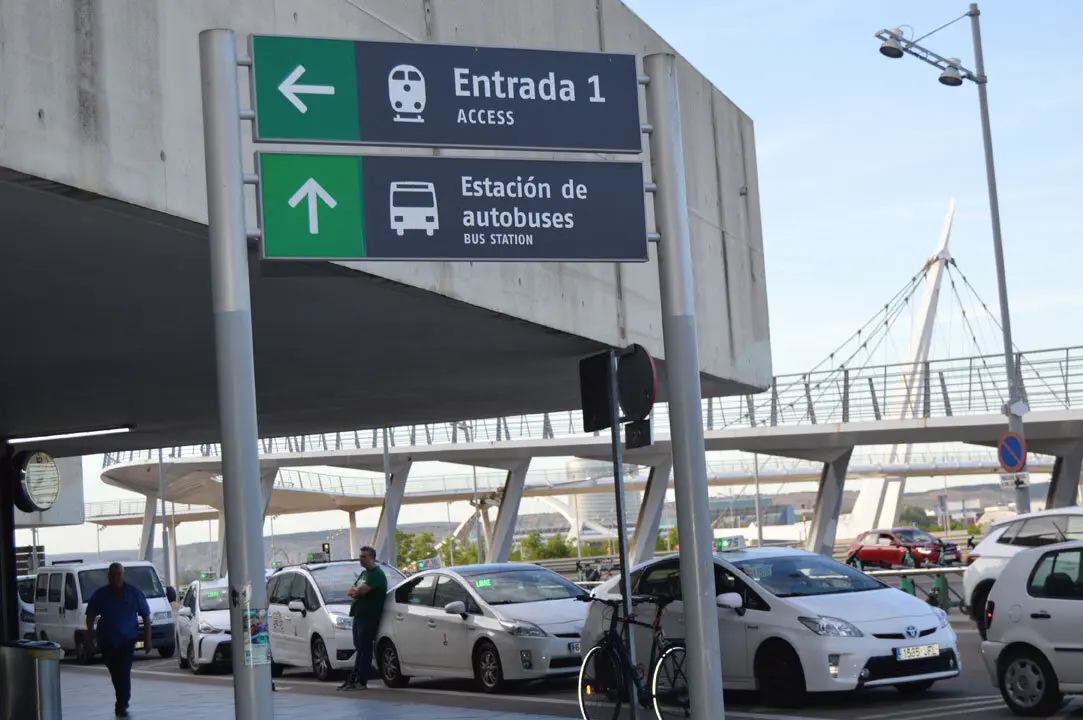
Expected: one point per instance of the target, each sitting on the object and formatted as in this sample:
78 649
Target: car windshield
213 599
511 587
26 590
803 575
913 535
143 577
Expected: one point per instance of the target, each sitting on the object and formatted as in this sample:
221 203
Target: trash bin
30 680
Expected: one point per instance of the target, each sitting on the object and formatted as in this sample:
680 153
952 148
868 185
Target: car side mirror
731 601
185 612
171 594
457 607
298 607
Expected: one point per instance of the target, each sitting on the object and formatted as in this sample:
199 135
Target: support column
1064 483
267 477
222 567
508 514
486 528
825 520
353 534
384 540
645 538
171 551
146 541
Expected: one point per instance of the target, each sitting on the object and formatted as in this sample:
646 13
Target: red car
890 548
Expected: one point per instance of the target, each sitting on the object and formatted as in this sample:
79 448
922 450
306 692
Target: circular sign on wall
38 481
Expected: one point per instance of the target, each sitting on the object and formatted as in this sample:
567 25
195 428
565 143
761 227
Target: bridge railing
125 508
1052 379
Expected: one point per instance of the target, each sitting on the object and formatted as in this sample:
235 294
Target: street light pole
1015 400
952 74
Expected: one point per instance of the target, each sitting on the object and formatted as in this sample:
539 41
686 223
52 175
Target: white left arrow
291 89
314 192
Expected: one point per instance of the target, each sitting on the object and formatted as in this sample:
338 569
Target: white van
63 590
26 607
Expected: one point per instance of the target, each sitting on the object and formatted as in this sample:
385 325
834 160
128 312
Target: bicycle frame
616 639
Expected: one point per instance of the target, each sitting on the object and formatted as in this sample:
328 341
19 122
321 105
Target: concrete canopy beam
384 540
821 538
1064 482
508 514
645 538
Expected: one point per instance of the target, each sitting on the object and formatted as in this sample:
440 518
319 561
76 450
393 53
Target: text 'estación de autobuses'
510 87
514 217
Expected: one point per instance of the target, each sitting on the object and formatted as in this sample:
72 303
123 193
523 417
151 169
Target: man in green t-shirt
368 593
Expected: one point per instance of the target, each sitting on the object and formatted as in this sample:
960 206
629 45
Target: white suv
309 615
1007 538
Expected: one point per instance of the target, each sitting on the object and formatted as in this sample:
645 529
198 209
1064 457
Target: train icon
406 93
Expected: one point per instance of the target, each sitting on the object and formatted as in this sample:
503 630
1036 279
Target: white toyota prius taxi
492 623
805 623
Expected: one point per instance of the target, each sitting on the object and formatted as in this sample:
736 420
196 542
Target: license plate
917 652
574 648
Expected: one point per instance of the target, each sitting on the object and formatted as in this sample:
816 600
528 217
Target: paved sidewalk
89 696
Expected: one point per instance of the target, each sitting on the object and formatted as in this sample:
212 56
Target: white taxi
492 623
804 624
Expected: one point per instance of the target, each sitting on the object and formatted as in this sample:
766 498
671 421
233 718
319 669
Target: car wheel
915 688
779 675
167 651
321 661
182 659
1029 685
390 669
981 595
488 672
195 667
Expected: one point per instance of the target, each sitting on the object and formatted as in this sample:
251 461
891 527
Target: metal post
165 521
1015 421
232 304
622 539
759 512
477 517
578 530
682 373
393 539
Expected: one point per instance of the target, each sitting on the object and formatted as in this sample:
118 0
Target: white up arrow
291 89
313 191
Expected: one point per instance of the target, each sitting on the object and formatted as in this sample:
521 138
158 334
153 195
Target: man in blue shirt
118 605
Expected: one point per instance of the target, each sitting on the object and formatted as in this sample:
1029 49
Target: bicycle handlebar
659 600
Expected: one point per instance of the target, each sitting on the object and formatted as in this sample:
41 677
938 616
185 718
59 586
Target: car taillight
989 607
971 558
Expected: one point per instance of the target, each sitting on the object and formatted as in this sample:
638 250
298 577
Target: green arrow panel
311 206
321 79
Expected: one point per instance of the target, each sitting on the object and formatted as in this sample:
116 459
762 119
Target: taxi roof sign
731 543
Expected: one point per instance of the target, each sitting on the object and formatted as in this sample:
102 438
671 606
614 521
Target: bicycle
608 672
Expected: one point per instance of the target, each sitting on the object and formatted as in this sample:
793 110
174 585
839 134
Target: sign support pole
685 396
622 537
232 305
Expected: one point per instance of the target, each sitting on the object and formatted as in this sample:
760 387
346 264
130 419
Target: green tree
667 541
557 547
424 547
913 515
464 553
532 548
404 547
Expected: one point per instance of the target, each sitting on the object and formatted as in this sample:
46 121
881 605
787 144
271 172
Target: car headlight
205 628
159 618
342 622
830 626
943 616
522 628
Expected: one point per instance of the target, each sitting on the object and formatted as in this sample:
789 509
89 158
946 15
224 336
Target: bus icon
413 207
406 93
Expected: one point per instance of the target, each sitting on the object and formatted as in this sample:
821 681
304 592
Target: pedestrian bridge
807 427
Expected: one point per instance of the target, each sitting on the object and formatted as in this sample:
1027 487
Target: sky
858 157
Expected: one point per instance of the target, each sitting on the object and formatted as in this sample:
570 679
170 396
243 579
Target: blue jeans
364 635
118 658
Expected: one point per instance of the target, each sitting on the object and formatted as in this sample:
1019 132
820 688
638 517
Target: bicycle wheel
602 684
669 685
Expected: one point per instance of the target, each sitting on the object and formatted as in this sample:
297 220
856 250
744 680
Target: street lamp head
891 47
951 75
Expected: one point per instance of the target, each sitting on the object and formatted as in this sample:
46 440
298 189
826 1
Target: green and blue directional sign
383 207
309 90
